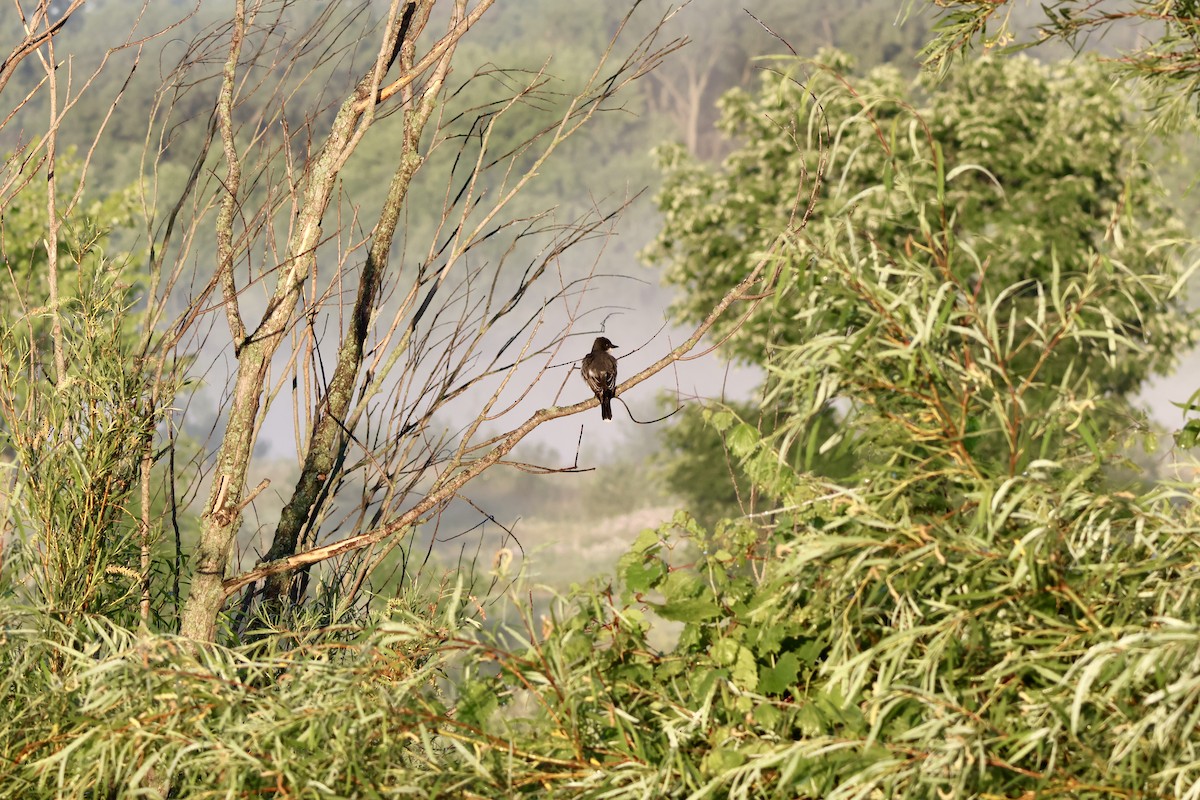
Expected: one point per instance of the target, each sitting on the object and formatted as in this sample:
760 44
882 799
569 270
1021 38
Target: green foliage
78 441
978 612
1188 436
1031 647
1159 49
1034 170
77 438
1032 227
86 236
730 474
95 710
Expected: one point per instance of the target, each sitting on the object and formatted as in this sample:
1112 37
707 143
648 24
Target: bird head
602 344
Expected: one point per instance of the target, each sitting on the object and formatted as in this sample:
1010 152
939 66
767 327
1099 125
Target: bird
599 370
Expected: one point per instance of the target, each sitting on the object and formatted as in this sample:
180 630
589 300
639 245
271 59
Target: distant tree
701 472
729 40
1164 64
22 228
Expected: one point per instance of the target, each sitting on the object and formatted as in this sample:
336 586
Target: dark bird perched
600 371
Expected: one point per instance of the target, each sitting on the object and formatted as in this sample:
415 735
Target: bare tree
374 318
419 367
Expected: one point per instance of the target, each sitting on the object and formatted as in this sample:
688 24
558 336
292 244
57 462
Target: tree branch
451 487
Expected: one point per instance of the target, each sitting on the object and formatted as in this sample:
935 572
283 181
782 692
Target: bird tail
606 407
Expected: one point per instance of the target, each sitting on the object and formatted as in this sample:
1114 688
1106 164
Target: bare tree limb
40 31
233 179
450 487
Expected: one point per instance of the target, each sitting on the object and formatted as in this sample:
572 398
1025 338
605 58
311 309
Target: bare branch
449 487
233 179
53 222
40 31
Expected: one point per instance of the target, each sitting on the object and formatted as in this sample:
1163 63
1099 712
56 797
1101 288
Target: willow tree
987 606
1038 172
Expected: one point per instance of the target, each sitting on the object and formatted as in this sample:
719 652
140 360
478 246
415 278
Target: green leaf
696 610
647 539
767 715
642 575
742 441
781 677
719 420
720 761
725 652
745 671
1189 435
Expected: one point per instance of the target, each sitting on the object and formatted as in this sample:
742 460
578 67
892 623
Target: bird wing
610 374
600 372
